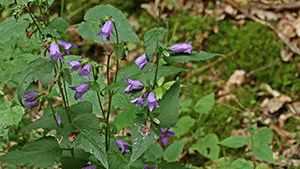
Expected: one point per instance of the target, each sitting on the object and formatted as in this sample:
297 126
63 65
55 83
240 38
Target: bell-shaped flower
54 53
106 30
164 134
66 45
89 167
139 101
58 119
80 90
147 167
123 145
75 65
31 99
85 71
182 48
151 101
133 84
141 61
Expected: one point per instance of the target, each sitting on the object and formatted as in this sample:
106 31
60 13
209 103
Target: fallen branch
262 68
280 7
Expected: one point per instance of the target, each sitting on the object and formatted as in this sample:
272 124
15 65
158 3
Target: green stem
34 21
62 8
98 94
159 16
53 111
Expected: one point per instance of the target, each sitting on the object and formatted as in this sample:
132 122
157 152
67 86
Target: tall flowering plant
79 131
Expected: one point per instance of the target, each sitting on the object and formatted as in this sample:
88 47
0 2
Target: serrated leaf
84 107
205 104
118 49
168 106
153 152
241 163
40 153
264 152
183 125
120 161
152 37
261 140
57 27
123 101
93 16
173 151
9 115
234 141
262 166
125 118
45 122
207 146
9 28
193 56
140 142
264 135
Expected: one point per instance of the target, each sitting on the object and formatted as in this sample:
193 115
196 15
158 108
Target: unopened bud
166 53
156 121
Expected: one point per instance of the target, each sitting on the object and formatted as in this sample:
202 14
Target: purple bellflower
151 101
66 45
89 167
106 30
164 134
182 48
147 167
133 84
58 119
31 99
54 53
85 71
80 90
123 145
141 61
75 65
139 101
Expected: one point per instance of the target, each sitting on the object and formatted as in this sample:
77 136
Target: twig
281 7
207 66
283 38
262 68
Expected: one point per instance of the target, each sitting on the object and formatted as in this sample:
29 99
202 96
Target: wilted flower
133 84
151 101
85 71
147 167
31 99
147 132
66 45
139 101
184 48
141 61
80 90
54 53
58 119
164 134
89 167
76 65
106 30
123 145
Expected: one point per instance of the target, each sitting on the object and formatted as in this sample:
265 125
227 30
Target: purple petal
76 65
123 145
164 140
89 167
85 71
58 119
182 48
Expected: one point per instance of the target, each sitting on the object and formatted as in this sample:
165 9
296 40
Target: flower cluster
123 145
142 62
54 50
182 48
106 30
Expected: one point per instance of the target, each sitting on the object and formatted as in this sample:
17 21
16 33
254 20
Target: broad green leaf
40 153
174 165
36 70
140 142
125 118
79 160
9 28
57 27
184 125
207 146
205 104
152 37
234 141
119 161
67 76
123 101
6 2
9 115
173 151
118 49
90 27
168 106
45 122
262 166
153 152
261 140
84 107
223 162
264 152
193 56
264 135
241 163
23 1
95 86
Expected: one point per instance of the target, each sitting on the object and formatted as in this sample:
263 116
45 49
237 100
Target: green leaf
174 165
205 104
153 152
261 140
23 1
40 153
9 28
119 161
67 76
6 2
264 152
123 101
193 56
84 107
264 135
140 142
9 115
57 27
207 146
125 118
184 125
36 70
95 86
45 122
118 49
262 166
93 16
173 151
234 141
168 106
241 163
152 37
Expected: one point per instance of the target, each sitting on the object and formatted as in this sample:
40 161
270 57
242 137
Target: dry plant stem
280 7
207 66
283 38
262 68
